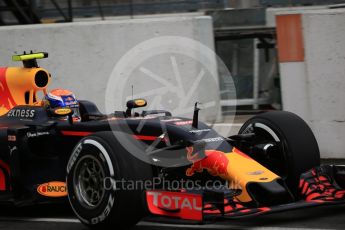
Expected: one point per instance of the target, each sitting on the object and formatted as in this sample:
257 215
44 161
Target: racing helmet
62 98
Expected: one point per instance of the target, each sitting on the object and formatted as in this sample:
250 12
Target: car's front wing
318 187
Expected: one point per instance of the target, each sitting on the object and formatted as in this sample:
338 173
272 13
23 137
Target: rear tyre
298 151
95 171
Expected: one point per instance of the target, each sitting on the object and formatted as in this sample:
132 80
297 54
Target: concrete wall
82 55
324 34
314 86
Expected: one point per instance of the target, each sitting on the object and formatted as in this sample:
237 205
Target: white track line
148 224
28 219
213 226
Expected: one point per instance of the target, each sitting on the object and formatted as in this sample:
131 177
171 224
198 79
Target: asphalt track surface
57 218
54 217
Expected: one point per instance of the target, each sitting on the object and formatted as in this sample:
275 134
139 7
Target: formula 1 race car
119 168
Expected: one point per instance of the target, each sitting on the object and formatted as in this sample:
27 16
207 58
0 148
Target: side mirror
136 103
62 112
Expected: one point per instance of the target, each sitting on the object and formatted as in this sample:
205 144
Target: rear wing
30 60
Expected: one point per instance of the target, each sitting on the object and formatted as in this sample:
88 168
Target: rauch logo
53 189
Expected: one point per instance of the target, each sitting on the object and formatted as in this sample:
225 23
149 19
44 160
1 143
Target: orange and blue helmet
62 98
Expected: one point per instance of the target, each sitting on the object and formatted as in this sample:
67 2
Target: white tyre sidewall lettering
74 157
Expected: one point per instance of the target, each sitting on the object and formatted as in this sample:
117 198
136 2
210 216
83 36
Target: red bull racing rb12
58 149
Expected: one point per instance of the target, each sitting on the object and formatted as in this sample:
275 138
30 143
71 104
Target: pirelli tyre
297 150
98 166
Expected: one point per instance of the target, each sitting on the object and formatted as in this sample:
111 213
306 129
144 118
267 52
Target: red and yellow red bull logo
19 86
235 167
215 162
6 100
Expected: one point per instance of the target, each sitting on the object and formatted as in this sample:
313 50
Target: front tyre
298 152
98 172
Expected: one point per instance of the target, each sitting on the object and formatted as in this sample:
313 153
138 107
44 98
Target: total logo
53 189
174 202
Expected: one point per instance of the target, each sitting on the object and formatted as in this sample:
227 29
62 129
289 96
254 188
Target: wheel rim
265 134
89 177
